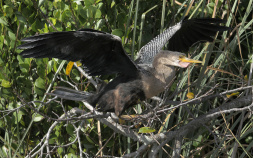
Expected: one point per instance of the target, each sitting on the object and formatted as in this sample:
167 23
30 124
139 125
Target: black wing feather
101 53
193 31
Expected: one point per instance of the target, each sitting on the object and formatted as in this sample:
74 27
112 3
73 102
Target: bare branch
87 76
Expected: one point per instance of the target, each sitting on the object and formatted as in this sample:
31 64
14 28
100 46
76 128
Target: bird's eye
181 56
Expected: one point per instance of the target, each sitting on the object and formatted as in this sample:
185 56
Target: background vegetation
217 122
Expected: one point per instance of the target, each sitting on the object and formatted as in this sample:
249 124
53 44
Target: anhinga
102 53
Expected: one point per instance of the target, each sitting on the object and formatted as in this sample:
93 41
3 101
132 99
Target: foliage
23 123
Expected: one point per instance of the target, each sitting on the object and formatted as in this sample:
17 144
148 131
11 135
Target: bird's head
171 58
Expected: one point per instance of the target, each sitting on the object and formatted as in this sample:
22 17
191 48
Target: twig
137 153
178 147
78 137
87 76
105 144
99 139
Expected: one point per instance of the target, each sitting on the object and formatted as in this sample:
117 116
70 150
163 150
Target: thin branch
87 76
137 153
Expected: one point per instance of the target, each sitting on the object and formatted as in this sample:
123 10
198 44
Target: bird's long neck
164 73
162 69
157 79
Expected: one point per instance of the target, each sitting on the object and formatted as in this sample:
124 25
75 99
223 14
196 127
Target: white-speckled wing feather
147 52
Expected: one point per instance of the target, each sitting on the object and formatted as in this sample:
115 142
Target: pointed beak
188 60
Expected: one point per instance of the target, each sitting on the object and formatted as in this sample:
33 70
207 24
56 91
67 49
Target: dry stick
223 71
100 150
137 153
179 3
155 145
178 146
78 136
87 76
248 154
215 8
166 119
188 9
100 139
239 46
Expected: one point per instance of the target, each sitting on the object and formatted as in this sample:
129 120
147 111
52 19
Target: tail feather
70 94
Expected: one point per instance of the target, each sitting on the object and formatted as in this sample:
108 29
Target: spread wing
194 31
181 37
148 51
101 53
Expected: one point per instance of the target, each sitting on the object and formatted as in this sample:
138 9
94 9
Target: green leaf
8 10
49 66
99 24
146 130
53 20
117 32
70 130
40 83
45 28
88 2
5 151
41 70
78 2
1 62
83 13
112 4
38 117
20 18
89 140
60 151
71 155
66 15
41 2
39 91
121 18
249 139
98 14
91 11
6 84
2 21
12 35
7 94
198 141
18 116
34 26
51 141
